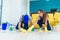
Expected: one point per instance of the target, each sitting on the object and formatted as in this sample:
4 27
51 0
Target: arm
46 19
19 25
20 21
36 21
30 22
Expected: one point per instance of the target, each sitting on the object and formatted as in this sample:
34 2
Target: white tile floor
16 35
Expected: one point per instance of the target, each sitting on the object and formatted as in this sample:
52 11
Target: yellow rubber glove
41 30
45 28
23 30
30 28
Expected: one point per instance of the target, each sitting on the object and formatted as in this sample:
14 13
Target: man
23 22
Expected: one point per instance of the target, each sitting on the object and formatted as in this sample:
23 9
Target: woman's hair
44 15
41 11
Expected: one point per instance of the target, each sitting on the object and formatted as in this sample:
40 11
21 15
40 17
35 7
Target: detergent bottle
11 28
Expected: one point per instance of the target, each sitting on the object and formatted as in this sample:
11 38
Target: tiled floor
16 35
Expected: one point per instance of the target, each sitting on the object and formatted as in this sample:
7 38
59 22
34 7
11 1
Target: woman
42 21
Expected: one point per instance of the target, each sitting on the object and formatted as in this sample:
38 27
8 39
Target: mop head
23 30
30 29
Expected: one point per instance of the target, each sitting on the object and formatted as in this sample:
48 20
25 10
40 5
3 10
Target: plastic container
32 29
11 28
4 26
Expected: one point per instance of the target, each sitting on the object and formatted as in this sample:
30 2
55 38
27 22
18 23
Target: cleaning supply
11 28
32 29
4 26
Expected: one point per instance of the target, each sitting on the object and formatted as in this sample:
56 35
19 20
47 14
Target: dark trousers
24 27
41 22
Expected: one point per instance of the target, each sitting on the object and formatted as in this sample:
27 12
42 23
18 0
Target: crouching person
43 21
23 23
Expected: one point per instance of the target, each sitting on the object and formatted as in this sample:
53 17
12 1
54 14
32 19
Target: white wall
13 9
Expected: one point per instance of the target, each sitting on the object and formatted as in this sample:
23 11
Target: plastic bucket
4 26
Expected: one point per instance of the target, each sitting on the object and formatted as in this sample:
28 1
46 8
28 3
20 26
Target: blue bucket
4 26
